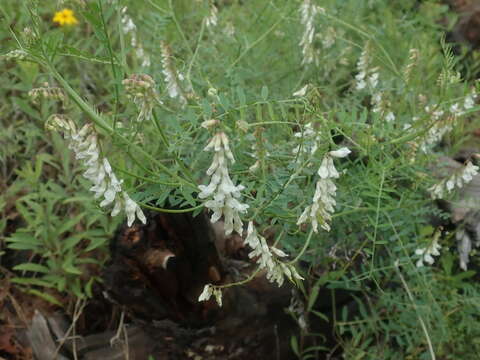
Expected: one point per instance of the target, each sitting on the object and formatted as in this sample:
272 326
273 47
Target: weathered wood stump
158 270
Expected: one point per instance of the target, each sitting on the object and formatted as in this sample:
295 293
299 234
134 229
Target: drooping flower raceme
211 20
323 203
129 28
268 258
47 92
222 192
412 62
141 88
427 253
310 140
464 247
366 76
172 76
444 122
458 179
308 11
83 142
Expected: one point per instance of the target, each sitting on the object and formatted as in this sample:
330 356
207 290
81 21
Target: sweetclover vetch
224 201
223 192
323 202
84 144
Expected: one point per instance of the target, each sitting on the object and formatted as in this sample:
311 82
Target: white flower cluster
47 92
308 11
225 194
172 76
297 308
141 88
329 38
381 106
444 122
366 76
129 28
427 254
323 203
412 62
458 109
16 54
229 29
212 19
210 290
83 142
459 179
442 125
464 247
310 140
267 258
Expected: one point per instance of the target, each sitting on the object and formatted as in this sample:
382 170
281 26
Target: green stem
165 141
112 61
305 246
152 181
100 122
170 211
247 50
179 28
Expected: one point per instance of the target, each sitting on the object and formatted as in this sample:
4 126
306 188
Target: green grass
245 79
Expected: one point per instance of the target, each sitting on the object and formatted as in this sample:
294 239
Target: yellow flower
65 17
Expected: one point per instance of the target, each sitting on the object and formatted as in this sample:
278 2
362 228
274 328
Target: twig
410 296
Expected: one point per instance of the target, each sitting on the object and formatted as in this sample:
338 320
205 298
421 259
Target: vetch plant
221 189
457 180
378 90
84 144
323 202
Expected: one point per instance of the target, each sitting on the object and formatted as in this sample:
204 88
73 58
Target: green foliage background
383 209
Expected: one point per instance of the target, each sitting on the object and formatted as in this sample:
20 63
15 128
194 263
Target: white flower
441 125
340 153
310 140
323 202
329 38
211 19
172 76
426 254
132 210
327 169
16 54
362 67
206 293
373 80
276 270
301 92
129 28
254 167
464 246
390 116
455 109
141 88
209 123
221 189
99 171
308 11
458 179
323 205
469 101
229 29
